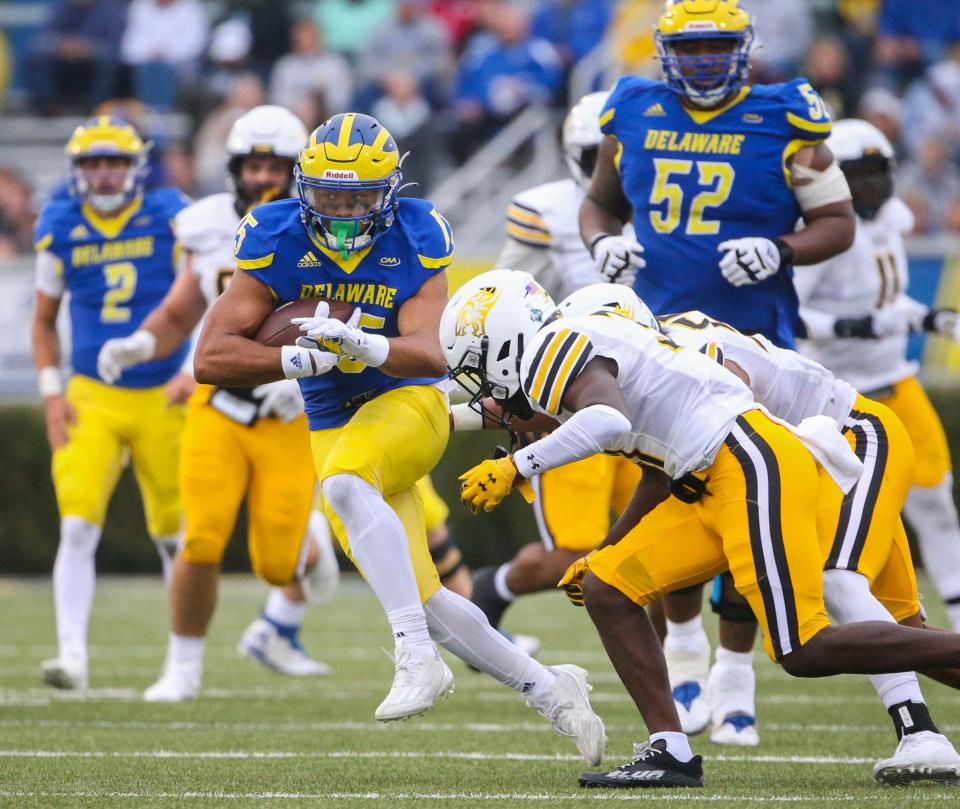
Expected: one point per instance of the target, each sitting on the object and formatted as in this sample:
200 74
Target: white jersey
682 405
206 230
871 274
543 238
790 386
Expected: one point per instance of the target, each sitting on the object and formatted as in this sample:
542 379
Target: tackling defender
858 316
378 416
237 442
111 246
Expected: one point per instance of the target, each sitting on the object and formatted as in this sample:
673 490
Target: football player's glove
120 353
572 581
943 321
349 339
281 399
752 259
487 484
617 258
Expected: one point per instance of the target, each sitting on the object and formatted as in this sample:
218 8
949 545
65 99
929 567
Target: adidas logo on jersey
80 232
751 118
142 221
309 260
389 261
654 111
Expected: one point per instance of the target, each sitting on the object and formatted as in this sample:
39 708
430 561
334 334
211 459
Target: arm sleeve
587 432
49 274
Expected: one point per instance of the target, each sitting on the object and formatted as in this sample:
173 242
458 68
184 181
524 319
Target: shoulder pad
210 215
430 234
807 116
625 88
899 217
53 218
556 357
259 232
525 217
169 199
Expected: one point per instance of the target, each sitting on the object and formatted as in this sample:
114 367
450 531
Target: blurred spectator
269 22
312 110
828 69
784 30
227 56
884 110
72 64
16 214
406 114
311 69
929 183
163 43
210 160
630 40
573 27
415 43
913 34
502 71
346 24
933 105
460 17
179 169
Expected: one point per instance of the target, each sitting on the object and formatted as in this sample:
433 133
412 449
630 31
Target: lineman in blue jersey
111 246
715 175
378 415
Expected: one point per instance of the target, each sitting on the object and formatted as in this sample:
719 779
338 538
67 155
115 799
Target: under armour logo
533 461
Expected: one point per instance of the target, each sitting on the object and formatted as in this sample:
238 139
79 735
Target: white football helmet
265 130
581 136
608 298
852 139
866 159
484 329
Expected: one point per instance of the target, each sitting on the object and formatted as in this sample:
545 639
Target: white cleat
178 683
737 730
262 642
64 672
419 683
921 756
567 706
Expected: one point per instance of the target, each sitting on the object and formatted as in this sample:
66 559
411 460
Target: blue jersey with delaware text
276 248
117 270
696 178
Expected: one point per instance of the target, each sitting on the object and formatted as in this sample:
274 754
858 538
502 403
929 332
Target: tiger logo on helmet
705 79
348 177
111 137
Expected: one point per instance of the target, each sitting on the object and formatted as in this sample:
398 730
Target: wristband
787 253
378 348
49 381
465 418
861 327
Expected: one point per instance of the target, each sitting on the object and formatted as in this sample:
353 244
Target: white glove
945 322
281 399
120 353
890 320
617 258
749 260
297 361
349 338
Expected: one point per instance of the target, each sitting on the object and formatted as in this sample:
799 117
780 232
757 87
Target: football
277 330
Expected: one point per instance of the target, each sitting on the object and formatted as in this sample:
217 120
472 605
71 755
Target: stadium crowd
445 75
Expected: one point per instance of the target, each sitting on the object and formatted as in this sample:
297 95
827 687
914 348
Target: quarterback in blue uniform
375 401
715 175
111 246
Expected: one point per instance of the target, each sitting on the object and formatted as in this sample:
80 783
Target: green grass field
257 739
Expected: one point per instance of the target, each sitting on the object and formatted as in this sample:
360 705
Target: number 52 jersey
695 178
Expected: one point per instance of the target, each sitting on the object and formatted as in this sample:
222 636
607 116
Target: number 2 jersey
274 246
116 270
682 404
696 178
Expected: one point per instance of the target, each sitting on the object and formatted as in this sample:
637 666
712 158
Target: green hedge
28 511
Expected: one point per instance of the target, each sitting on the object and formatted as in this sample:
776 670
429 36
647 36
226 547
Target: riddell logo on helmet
339 174
700 25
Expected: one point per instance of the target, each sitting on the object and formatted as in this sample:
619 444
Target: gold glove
572 581
485 486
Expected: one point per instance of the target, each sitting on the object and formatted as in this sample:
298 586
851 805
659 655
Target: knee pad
276 571
79 535
726 602
344 494
202 550
447 558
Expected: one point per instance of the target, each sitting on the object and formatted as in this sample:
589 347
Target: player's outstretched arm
416 352
226 353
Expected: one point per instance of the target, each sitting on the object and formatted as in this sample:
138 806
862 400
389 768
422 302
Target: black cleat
486 597
651 767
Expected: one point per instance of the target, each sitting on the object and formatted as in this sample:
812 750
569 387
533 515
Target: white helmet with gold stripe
616 298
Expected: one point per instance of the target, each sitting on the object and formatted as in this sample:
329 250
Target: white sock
686 637
732 685
953 612
166 550
378 542
74 582
281 610
931 512
678 745
500 582
460 626
848 599
182 649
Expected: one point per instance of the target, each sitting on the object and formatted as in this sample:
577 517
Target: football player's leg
85 473
930 508
388 444
280 500
687 652
214 474
155 452
443 546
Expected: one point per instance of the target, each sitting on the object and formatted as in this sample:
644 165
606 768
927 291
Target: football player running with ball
110 245
375 400
858 317
237 442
